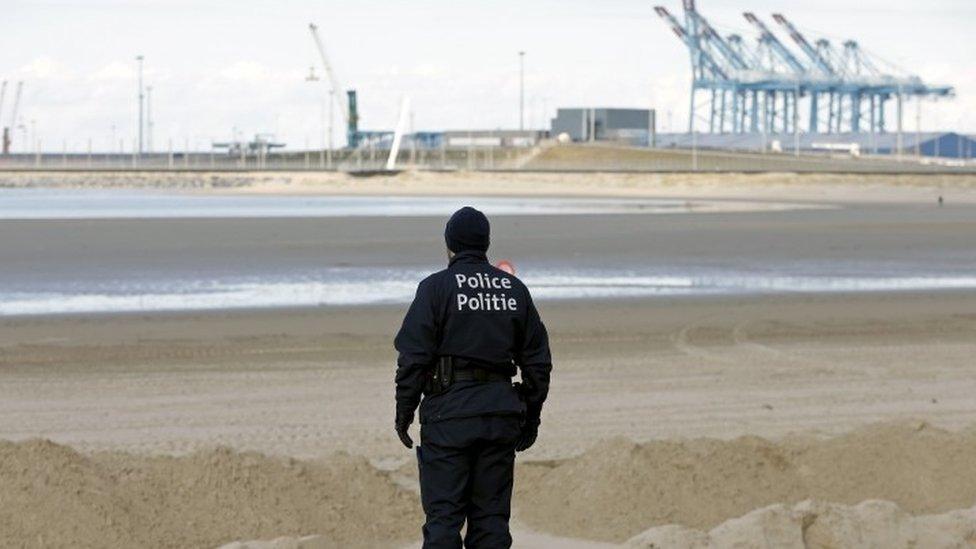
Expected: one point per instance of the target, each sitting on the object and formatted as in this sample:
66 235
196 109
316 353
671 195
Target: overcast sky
219 65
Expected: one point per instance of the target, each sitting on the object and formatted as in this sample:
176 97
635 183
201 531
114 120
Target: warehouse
634 126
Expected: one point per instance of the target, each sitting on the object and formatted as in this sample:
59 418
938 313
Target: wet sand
308 382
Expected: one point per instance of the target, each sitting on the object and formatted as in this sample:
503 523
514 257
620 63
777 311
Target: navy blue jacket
478 312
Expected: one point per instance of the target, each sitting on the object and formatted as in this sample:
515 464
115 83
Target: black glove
403 421
527 438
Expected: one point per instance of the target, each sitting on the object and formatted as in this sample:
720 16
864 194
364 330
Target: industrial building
635 126
742 86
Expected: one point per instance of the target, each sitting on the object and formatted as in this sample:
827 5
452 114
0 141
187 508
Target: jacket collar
469 256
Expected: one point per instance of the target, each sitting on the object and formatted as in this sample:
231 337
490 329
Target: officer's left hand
530 431
403 422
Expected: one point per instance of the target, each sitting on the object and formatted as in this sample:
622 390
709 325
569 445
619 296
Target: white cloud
114 72
246 71
44 68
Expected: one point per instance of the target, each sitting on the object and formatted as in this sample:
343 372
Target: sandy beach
684 421
307 382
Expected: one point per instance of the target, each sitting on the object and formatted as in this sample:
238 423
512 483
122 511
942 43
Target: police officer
469 328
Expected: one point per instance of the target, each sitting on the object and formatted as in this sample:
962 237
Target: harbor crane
347 103
9 130
759 87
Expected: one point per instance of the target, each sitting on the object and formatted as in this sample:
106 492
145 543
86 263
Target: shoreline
575 301
898 188
566 303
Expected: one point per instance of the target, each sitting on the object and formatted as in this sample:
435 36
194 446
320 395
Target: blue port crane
722 69
760 87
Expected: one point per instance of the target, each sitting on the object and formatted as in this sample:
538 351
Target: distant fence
607 158
548 158
471 158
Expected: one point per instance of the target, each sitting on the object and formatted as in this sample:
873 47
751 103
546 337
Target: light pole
900 144
796 120
521 90
139 60
331 118
149 120
918 127
326 140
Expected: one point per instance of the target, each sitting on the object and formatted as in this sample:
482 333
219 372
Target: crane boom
337 90
689 40
730 54
856 62
672 22
13 116
709 33
767 36
812 52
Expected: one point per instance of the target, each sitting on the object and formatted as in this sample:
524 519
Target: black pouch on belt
441 377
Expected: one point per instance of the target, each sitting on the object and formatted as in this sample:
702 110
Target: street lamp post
796 119
149 120
900 144
326 139
139 59
521 90
331 117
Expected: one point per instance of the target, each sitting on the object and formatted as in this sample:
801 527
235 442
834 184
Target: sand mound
689 493
814 524
619 488
52 496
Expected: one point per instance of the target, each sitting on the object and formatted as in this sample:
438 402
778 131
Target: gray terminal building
636 126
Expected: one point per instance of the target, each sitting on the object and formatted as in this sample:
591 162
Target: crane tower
9 130
348 108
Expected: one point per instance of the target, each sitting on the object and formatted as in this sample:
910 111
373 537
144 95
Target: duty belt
479 374
449 370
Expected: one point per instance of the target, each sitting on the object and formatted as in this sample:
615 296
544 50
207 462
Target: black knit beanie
467 229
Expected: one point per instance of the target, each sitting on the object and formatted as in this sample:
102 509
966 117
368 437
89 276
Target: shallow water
126 204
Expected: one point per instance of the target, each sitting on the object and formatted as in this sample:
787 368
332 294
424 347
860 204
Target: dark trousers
466 469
